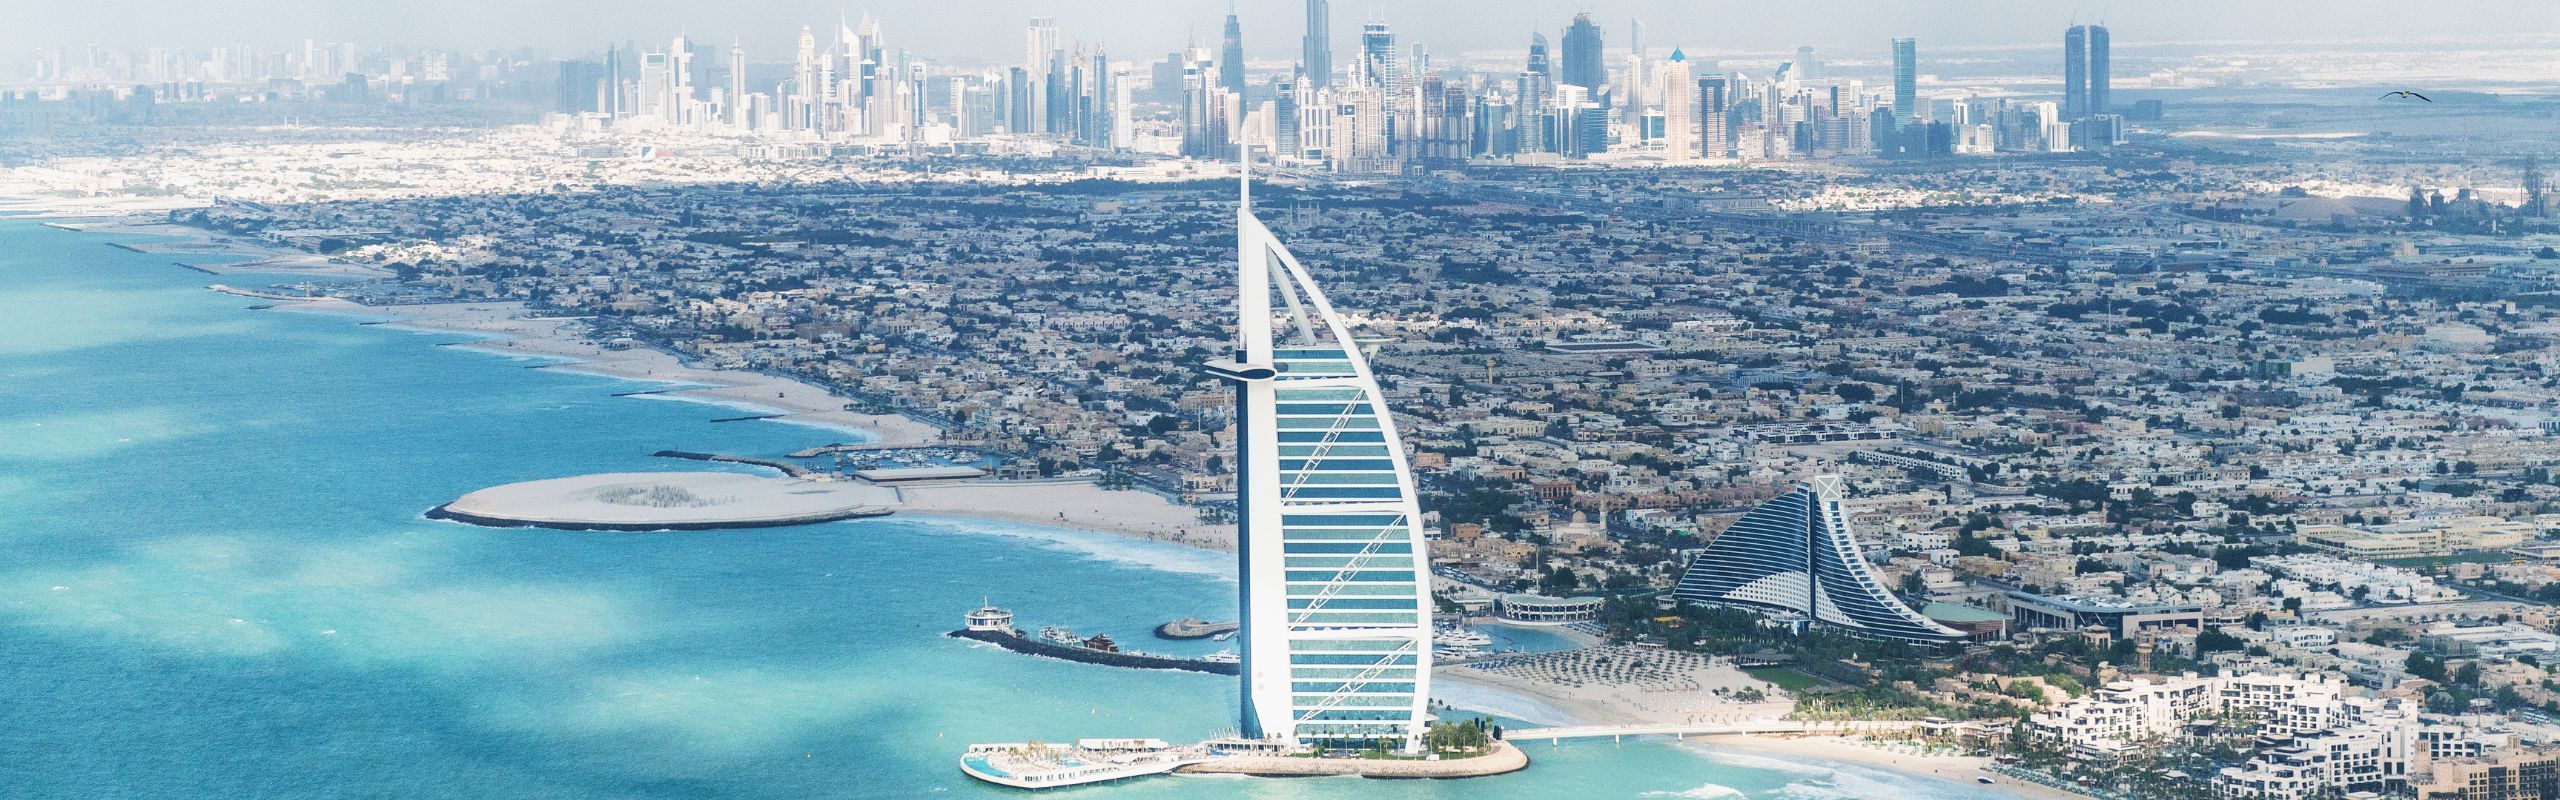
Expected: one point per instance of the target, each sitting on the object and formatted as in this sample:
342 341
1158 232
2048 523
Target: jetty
788 468
234 290
994 626
1033 645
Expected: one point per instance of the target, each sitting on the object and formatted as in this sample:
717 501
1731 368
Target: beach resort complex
1794 555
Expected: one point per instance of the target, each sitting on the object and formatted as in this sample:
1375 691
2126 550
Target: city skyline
1519 401
1278 25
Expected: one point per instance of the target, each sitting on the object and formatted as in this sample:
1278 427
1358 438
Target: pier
233 290
1684 730
1033 645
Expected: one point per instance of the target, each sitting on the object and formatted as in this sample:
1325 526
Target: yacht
1455 636
1222 657
1456 653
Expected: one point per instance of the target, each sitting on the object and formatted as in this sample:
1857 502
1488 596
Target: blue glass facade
1795 554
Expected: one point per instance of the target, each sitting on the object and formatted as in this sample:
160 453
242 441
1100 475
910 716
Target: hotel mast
1333 576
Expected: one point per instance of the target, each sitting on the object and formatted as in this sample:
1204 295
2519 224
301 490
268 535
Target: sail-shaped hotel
1334 584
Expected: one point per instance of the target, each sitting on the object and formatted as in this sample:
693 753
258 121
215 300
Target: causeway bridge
1684 730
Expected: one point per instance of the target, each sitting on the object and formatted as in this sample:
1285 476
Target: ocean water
215 582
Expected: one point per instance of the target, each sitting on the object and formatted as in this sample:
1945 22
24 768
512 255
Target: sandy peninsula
654 501
1064 503
247 255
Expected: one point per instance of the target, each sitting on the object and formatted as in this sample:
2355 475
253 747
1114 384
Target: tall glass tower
2098 72
1231 57
2075 72
1378 55
1333 579
1906 88
1582 63
1316 51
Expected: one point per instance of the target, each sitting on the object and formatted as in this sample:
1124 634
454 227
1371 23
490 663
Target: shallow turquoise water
215 582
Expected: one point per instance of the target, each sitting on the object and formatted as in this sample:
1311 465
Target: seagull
2406 93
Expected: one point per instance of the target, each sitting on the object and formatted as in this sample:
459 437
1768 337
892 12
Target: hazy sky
992 29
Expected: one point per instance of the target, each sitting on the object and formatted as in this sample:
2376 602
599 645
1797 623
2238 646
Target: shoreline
1072 505
502 329
1544 705
1817 750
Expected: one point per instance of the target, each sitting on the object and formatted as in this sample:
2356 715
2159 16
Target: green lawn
1787 678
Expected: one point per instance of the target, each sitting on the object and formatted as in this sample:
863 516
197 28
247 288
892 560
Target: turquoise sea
215 582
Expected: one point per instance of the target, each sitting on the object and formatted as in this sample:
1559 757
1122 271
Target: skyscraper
1039 46
1795 554
737 100
1679 111
2084 71
1806 68
1378 55
1315 53
1538 61
1231 57
2099 79
1715 139
1582 64
1906 88
581 88
1334 578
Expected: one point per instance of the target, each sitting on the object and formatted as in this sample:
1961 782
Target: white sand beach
1070 504
516 332
1896 756
1624 685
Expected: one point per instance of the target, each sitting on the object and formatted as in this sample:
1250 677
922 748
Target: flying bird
2406 93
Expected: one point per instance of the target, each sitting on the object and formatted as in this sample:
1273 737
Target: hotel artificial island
1335 592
